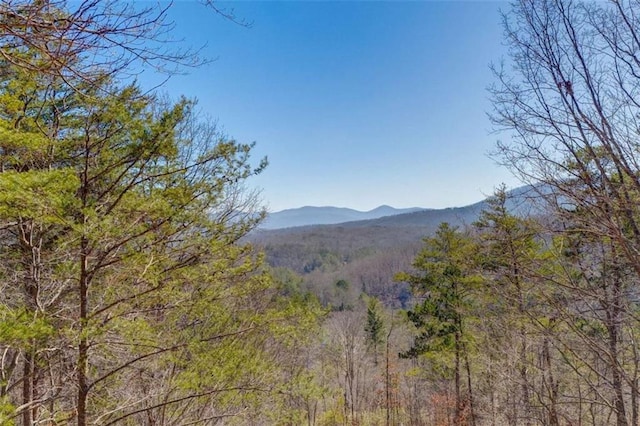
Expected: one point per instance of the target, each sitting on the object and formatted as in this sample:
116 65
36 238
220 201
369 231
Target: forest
135 288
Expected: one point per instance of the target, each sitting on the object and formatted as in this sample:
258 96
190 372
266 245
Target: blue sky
356 104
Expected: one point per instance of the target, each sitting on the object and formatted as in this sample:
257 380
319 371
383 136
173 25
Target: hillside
366 253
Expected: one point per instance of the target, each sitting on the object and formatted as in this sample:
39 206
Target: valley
366 254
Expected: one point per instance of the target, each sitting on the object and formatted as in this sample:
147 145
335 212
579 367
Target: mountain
521 201
383 233
327 216
367 253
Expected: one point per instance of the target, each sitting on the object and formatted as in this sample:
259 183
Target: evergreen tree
444 283
374 327
510 253
127 296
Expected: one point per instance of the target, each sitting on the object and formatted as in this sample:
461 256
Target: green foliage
444 281
291 283
342 285
23 328
7 412
375 324
507 239
38 194
324 260
122 216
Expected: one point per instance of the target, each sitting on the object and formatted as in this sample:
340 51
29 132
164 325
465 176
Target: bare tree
571 106
348 347
81 41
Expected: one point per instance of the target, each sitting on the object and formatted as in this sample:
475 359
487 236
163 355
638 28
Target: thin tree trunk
9 362
552 386
388 401
387 387
634 385
470 389
523 348
492 394
524 378
613 314
32 253
83 347
27 389
458 417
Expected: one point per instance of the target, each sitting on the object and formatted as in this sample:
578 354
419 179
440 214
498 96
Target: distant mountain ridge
521 201
309 215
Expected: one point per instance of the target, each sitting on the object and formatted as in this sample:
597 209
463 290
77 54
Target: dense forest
136 290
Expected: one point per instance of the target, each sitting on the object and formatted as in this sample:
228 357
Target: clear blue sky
356 104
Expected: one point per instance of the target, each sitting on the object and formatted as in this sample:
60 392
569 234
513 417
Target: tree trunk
551 385
387 386
523 343
472 414
31 252
27 388
613 319
458 417
83 347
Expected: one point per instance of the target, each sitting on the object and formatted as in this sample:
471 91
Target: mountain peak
310 215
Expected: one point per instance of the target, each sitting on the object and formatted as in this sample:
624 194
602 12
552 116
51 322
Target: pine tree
374 327
444 283
128 296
